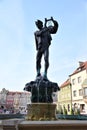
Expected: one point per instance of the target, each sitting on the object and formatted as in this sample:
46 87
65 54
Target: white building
78 81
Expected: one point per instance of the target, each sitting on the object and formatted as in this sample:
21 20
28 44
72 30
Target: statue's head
39 24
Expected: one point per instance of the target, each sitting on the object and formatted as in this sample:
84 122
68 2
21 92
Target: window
85 91
82 107
79 79
80 92
74 93
73 81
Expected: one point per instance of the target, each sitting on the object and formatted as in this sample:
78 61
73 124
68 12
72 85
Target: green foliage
72 112
59 111
65 111
75 111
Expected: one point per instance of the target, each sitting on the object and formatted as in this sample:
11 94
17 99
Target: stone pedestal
10 124
53 125
41 111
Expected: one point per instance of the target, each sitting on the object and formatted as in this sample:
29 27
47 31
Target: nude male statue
43 41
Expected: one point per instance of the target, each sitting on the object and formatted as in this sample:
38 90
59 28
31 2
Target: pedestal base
53 125
41 111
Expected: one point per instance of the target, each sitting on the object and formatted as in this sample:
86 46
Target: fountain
42 106
41 111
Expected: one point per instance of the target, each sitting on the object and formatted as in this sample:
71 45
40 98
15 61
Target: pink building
14 100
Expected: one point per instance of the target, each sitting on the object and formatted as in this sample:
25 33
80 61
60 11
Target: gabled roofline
82 66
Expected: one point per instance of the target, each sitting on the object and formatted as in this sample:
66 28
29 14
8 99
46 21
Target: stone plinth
53 125
10 124
17 124
41 111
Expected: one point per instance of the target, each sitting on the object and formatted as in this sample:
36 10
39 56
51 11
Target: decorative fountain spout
42 107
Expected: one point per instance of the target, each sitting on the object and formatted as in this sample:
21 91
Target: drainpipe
71 94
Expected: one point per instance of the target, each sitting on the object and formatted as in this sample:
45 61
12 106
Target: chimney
80 63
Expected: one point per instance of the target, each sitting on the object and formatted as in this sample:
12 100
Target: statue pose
43 40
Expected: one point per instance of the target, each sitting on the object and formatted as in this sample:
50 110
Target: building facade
76 88
14 101
64 98
79 87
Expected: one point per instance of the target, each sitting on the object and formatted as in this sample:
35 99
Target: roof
16 92
82 66
67 82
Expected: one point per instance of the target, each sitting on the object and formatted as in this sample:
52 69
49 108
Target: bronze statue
42 88
43 40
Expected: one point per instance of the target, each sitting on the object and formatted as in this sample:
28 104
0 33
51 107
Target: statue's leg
38 62
46 58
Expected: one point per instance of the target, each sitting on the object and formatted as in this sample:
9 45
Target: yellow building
64 98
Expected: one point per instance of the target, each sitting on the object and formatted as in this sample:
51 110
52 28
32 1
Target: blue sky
17 44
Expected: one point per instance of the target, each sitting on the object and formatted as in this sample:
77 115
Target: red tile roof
17 92
82 66
67 82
